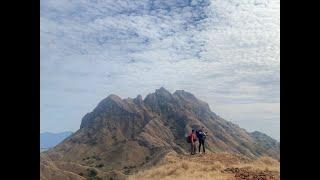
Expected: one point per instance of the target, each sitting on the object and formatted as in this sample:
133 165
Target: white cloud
225 52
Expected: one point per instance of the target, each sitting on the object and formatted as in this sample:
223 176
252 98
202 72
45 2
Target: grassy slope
209 166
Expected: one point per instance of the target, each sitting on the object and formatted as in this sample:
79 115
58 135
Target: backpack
202 135
198 134
188 138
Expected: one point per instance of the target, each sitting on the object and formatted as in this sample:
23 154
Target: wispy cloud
225 52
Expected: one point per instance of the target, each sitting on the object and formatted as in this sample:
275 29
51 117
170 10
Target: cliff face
129 134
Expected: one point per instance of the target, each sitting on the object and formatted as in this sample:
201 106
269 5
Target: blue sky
227 53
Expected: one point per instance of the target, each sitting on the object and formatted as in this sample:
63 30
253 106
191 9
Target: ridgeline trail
217 166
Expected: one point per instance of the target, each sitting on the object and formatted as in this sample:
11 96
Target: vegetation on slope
218 166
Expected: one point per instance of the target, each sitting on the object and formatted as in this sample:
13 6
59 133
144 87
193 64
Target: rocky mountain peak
159 99
162 94
114 98
113 102
185 94
134 130
162 90
138 100
191 102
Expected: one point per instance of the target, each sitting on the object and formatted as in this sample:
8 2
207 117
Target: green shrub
100 165
92 172
147 158
95 178
127 172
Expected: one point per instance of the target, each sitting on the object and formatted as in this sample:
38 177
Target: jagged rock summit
124 135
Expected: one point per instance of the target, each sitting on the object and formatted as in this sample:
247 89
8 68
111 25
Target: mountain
122 136
265 142
48 139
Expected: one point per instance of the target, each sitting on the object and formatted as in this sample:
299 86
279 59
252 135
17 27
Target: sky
225 52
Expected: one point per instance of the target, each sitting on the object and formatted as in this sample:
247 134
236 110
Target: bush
92 143
100 165
147 158
92 175
96 158
92 172
95 178
127 172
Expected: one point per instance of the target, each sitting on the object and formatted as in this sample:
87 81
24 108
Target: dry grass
207 166
263 163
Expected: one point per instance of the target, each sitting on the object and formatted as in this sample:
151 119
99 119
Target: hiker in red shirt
193 139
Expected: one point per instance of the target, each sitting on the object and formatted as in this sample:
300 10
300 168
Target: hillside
121 136
218 166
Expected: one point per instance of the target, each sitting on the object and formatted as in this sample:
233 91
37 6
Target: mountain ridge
128 134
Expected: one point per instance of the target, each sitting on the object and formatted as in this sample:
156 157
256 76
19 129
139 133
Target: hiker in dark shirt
201 136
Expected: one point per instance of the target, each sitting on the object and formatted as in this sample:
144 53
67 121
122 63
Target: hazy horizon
226 53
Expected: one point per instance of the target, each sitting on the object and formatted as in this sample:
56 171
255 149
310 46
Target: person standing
202 136
193 139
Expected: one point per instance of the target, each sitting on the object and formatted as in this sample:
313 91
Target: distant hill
48 139
122 136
